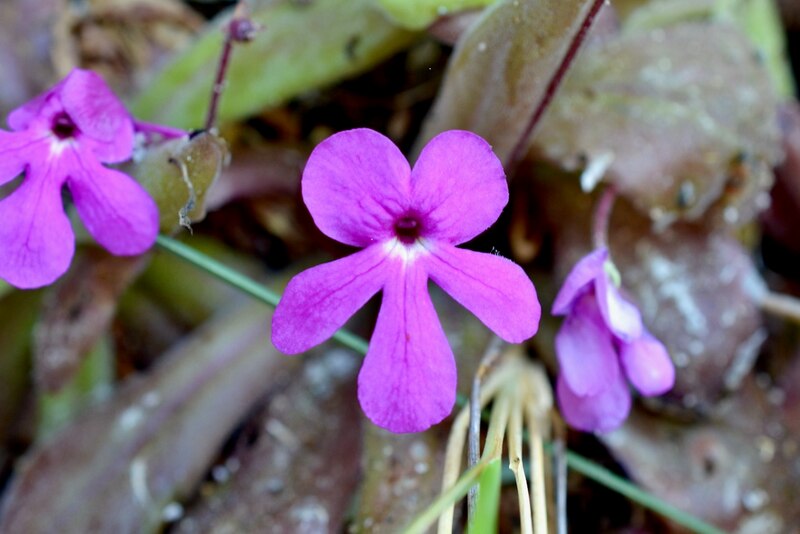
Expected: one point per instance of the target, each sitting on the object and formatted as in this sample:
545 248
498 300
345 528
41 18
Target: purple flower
63 137
361 191
601 342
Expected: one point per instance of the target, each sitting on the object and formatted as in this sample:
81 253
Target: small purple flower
361 191
601 342
63 137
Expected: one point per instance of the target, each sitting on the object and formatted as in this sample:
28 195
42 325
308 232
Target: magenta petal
648 366
582 274
31 111
318 302
408 380
16 150
495 289
36 240
115 209
622 317
602 412
459 186
354 184
104 123
585 350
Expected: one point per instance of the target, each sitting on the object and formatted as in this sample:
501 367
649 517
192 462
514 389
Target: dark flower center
63 127
407 229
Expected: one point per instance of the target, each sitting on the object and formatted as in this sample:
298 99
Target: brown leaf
698 294
686 114
402 475
737 469
119 466
124 40
77 312
297 466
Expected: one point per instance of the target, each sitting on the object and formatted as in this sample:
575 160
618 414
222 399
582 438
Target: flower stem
785 306
246 284
602 216
239 30
580 36
623 487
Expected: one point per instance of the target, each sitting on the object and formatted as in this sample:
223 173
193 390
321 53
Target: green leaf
761 22
5 289
18 313
303 46
488 506
417 14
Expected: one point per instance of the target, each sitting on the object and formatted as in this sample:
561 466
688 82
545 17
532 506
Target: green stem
607 478
246 284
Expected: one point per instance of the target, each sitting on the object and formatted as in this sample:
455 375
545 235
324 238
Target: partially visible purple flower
361 191
601 343
63 137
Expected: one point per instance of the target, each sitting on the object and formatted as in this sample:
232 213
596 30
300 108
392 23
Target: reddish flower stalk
602 217
580 36
241 29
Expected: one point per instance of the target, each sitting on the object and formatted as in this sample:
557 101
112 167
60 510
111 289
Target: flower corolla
602 342
64 137
361 191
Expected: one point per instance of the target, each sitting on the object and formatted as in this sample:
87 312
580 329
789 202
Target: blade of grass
623 487
445 500
488 505
246 284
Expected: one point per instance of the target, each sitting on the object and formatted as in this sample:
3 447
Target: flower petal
16 150
602 412
647 364
318 302
354 184
101 117
621 316
115 209
408 380
36 240
106 127
585 350
458 185
582 274
25 115
495 289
